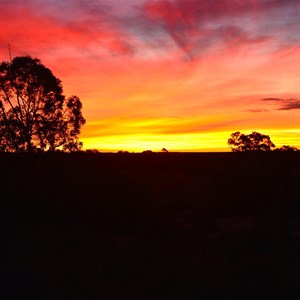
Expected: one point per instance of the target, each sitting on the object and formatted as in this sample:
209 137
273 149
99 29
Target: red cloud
190 12
28 28
196 25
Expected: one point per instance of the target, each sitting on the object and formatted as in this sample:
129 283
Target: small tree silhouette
147 152
250 142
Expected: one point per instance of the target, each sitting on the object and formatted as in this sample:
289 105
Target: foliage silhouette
250 142
147 152
34 113
287 148
123 152
92 151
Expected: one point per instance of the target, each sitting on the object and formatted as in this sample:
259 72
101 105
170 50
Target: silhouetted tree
34 113
147 152
92 151
250 142
287 148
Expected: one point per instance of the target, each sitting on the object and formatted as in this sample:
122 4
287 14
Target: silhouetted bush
287 148
250 142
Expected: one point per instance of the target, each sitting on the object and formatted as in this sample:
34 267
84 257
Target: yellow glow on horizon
175 142
188 142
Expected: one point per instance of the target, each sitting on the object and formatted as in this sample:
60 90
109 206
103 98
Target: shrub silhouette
287 148
147 152
34 113
250 142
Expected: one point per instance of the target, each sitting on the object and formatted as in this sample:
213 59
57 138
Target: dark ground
82 226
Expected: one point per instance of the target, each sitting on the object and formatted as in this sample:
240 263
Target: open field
74 226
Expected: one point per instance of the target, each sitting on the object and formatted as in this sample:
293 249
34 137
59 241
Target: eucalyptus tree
34 113
254 141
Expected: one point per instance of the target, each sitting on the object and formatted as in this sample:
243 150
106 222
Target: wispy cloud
272 99
139 26
285 104
196 25
256 110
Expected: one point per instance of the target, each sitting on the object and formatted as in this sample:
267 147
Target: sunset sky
175 74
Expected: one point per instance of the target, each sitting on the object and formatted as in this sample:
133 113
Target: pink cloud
197 25
140 27
29 30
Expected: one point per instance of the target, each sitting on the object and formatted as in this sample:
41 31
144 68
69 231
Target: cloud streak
195 25
285 104
192 26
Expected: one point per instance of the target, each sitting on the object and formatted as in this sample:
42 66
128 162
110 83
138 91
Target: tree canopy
250 142
34 113
287 148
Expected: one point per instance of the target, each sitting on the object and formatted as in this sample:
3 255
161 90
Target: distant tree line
254 141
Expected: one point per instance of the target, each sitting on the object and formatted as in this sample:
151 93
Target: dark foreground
83 226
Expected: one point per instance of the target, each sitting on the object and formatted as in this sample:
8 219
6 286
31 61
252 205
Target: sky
176 74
